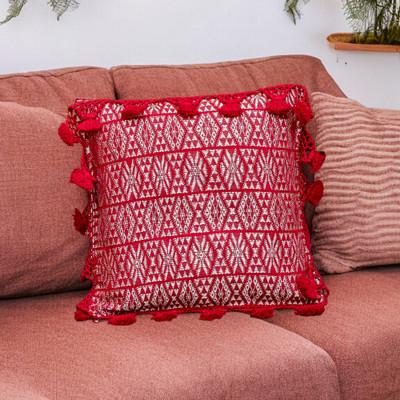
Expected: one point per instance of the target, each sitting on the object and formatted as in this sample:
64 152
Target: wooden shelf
342 41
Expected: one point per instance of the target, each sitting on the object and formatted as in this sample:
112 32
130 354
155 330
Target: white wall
105 33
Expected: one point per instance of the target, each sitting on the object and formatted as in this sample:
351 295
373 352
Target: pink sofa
351 352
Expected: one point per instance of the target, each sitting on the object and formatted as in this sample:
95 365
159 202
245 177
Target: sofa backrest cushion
56 89
141 82
40 251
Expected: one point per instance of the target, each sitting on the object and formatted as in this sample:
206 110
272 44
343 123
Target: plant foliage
372 21
58 6
292 7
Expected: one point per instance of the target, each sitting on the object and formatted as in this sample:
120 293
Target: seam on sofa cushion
52 73
216 65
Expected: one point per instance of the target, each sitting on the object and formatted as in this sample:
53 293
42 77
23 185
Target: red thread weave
198 207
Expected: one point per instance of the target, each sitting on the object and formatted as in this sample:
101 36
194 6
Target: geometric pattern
191 213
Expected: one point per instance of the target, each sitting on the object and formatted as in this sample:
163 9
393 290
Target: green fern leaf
14 9
60 6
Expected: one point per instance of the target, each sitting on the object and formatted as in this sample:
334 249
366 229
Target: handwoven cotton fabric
196 205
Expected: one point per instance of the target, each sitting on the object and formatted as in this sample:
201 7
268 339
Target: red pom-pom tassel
188 108
66 135
303 112
133 111
278 107
81 316
314 193
262 313
82 178
89 125
317 158
80 221
123 319
210 315
164 315
308 287
231 109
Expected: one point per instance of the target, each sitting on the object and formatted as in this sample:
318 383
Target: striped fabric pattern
357 223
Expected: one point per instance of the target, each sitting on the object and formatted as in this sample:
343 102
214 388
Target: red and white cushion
196 205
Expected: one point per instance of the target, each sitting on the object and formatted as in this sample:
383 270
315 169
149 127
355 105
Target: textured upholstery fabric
40 251
55 89
360 330
238 357
357 223
141 82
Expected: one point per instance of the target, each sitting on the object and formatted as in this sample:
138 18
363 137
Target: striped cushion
357 223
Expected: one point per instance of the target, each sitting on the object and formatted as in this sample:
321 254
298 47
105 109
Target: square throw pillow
357 223
196 205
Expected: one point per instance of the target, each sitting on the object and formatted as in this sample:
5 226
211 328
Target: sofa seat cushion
360 330
45 351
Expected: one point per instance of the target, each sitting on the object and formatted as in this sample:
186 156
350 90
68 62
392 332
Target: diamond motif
183 215
215 212
207 129
173 132
154 218
249 211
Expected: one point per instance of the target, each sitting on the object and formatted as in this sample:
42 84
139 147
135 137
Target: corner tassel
133 111
307 287
80 221
231 109
210 315
188 108
123 319
164 315
310 310
278 107
314 193
82 178
316 160
66 135
303 112
89 126
81 316
262 313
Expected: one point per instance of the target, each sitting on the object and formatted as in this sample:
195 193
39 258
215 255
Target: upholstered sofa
350 352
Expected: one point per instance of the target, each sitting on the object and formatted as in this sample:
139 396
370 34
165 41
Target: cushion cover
39 250
357 223
236 358
196 204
